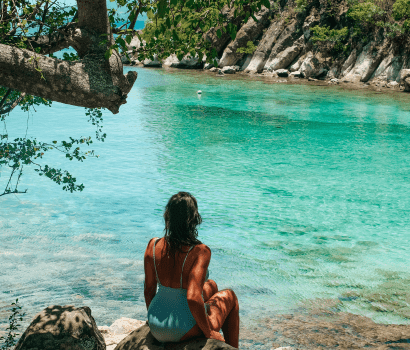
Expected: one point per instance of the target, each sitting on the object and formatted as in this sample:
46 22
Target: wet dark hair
181 219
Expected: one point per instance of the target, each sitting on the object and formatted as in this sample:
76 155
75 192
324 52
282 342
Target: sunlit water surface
304 193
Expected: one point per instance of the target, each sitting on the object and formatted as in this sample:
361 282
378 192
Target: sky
110 5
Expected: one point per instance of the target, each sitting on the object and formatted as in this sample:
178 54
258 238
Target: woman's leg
210 288
223 313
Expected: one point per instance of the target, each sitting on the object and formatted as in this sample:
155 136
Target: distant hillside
352 40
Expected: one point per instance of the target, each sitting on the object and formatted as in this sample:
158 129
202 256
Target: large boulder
142 339
283 73
230 69
405 79
62 327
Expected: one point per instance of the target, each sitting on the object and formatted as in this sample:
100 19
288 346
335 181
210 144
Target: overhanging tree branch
89 82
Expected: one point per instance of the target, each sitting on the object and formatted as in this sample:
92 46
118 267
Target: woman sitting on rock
187 304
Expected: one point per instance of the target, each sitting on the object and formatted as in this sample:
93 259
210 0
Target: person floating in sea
187 304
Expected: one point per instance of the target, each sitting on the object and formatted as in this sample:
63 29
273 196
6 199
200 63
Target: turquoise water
304 193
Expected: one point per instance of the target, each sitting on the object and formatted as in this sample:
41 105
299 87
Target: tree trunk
89 82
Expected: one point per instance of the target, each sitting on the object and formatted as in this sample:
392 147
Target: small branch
15 191
4 98
15 103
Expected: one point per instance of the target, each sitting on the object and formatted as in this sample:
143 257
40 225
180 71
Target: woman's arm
150 284
196 282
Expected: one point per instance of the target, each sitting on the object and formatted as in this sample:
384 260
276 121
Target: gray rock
404 73
62 327
220 43
407 84
142 339
286 57
310 66
229 69
214 69
188 62
296 74
362 65
334 80
287 39
283 73
170 60
152 63
381 54
248 32
265 46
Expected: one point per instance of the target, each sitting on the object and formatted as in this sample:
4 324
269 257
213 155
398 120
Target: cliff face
287 44
284 37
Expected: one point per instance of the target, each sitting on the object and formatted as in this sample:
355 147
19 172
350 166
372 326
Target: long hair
181 219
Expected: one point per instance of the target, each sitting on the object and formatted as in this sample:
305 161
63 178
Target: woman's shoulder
203 248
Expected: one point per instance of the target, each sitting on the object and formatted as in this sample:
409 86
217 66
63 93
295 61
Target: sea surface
304 193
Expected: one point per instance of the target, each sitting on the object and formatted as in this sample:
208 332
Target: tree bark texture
89 82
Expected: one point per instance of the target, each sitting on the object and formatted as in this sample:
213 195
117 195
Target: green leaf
120 41
218 33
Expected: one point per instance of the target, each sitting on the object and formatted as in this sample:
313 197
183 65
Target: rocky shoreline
283 48
272 78
320 325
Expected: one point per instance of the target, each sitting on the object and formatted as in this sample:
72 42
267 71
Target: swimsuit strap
184 264
154 260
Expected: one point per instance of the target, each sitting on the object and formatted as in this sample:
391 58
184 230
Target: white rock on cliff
265 46
361 65
248 32
285 58
152 63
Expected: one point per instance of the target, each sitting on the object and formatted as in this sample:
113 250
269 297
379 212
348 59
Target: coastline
267 78
319 326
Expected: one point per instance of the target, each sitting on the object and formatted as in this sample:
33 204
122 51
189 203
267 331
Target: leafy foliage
9 341
332 38
249 49
180 27
365 12
401 9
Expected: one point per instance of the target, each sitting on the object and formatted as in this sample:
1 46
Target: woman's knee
213 285
233 297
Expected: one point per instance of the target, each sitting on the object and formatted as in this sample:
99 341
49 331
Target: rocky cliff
317 39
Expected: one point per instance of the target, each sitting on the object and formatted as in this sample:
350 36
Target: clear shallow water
303 190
